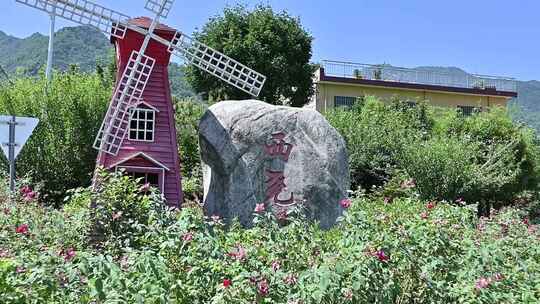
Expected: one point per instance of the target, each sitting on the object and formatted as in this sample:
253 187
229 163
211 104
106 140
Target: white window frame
351 101
138 120
136 169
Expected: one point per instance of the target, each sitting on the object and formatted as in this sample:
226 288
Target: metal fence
405 75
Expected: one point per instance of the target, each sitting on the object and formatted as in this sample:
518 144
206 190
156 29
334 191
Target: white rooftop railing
417 76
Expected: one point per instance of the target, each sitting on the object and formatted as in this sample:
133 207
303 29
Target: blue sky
497 37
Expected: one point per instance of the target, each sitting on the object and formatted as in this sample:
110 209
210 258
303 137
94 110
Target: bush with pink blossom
406 250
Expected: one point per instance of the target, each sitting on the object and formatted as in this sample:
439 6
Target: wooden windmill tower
138 132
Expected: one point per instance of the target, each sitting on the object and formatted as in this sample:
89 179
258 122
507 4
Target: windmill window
146 178
142 124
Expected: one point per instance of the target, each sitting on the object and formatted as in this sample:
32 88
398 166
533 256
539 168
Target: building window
344 101
146 178
468 110
142 124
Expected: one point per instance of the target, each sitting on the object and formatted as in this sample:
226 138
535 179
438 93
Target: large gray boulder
249 146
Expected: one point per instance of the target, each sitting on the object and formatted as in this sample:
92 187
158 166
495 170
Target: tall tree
274 44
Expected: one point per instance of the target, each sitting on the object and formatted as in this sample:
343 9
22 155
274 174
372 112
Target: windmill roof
145 22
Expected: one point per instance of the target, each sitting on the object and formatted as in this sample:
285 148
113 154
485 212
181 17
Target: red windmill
138 133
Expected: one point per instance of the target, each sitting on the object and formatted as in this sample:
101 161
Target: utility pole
48 71
11 153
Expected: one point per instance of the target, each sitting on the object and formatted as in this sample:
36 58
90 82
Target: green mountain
83 46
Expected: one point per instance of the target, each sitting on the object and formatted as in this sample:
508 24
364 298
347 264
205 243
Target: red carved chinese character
279 147
275 185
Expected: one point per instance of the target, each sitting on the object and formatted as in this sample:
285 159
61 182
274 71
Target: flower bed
382 251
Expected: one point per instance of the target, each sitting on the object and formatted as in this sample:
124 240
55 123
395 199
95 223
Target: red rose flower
227 283
22 229
382 256
430 205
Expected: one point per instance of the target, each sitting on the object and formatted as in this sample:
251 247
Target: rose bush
404 250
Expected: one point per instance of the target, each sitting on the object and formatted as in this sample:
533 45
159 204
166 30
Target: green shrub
59 154
442 167
484 158
122 209
376 135
188 112
506 155
406 251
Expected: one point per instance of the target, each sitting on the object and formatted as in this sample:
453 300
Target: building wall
325 93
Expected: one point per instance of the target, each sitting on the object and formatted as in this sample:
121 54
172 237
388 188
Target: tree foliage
274 44
484 158
59 154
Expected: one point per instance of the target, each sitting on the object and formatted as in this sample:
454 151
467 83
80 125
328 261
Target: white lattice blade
217 64
129 90
159 7
84 12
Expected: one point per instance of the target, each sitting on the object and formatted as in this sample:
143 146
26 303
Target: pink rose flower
345 203
26 189
239 254
276 266
408 184
291 279
263 288
348 294
117 215
30 196
482 283
69 254
260 208
424 215
187 237
144 188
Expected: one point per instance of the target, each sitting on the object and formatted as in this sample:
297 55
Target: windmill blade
85 13
217 64
128 91
159 7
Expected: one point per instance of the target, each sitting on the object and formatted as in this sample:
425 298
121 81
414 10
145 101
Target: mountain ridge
80 45
86 46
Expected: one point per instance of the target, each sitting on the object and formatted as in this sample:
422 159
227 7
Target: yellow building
341 83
